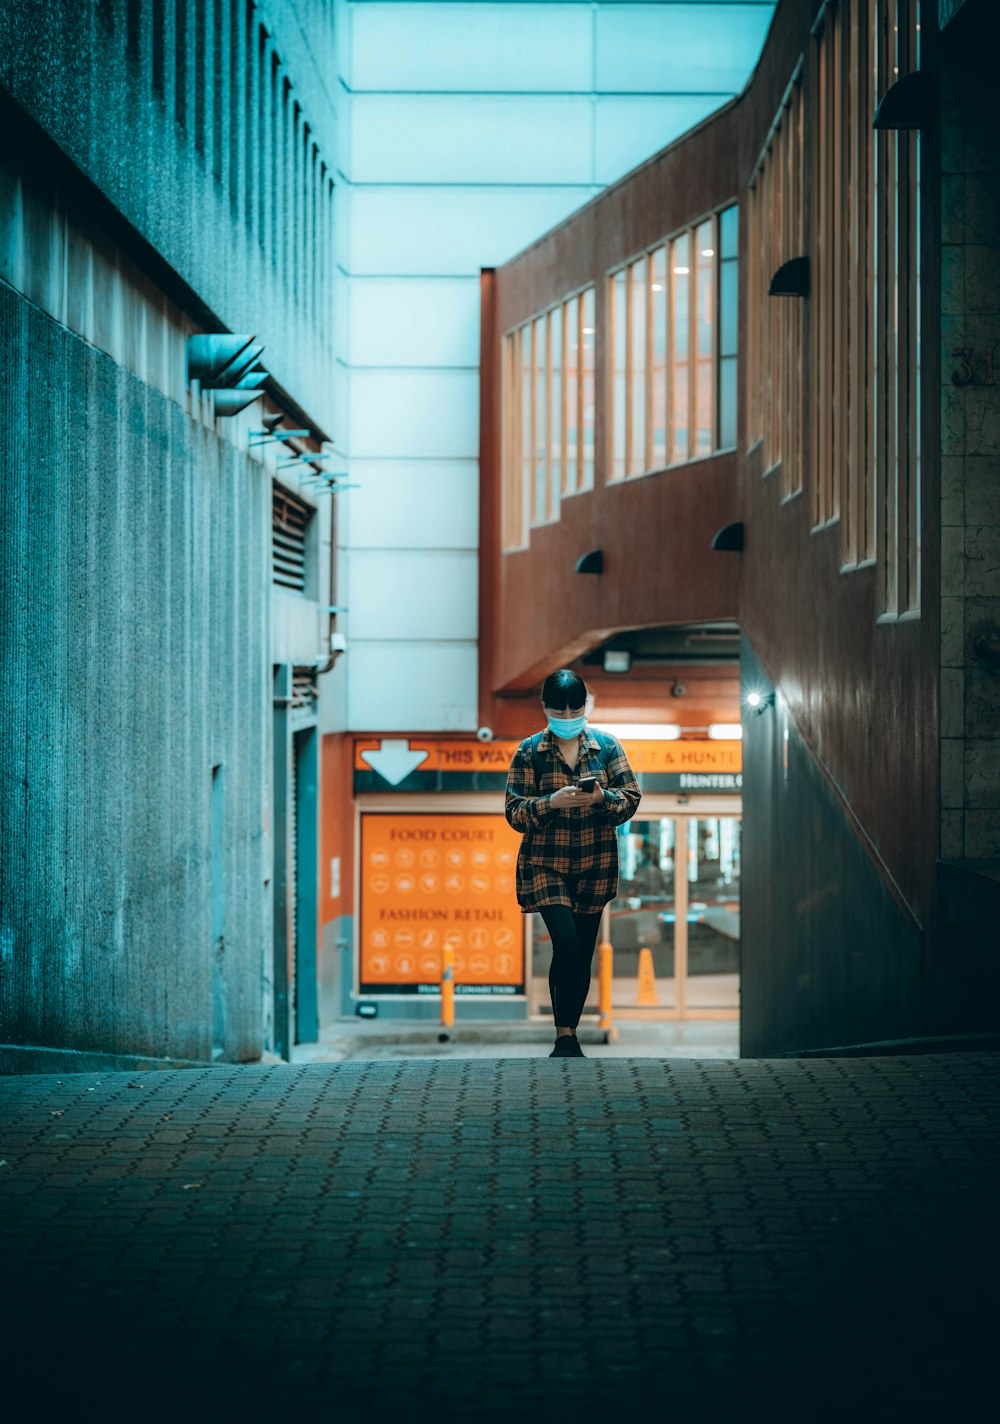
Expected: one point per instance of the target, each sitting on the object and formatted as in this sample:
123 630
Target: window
547 422
668 401
658 357
848 485
895 37
543 398
775 325
680 310
728 322
864 366
587 346
704 331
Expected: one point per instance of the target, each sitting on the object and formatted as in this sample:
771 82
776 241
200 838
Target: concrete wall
169 169
970 450
174 120
134 659
964 975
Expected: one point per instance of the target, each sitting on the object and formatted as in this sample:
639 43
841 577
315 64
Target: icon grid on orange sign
435 879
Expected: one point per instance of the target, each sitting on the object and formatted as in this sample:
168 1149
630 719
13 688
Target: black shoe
567 1045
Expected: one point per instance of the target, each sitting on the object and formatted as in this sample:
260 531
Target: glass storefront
679 898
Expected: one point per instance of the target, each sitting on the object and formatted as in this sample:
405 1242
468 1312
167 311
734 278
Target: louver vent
305 696
289 522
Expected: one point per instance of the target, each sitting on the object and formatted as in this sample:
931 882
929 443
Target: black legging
573 938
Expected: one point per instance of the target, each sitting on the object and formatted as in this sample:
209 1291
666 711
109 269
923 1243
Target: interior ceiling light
640 731
725 731
708 252
682 271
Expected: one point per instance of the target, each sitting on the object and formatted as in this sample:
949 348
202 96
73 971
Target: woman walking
567 789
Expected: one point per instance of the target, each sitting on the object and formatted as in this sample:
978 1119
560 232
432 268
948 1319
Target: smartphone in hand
589 783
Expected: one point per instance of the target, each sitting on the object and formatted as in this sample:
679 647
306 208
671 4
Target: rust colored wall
644 695
863 695
336 826
536 612
860 697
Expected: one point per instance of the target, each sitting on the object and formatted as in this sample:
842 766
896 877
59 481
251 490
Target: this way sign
394 761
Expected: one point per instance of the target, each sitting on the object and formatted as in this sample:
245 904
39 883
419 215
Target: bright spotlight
759 701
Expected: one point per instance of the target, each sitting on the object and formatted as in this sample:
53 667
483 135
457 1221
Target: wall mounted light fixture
729 539
592 563
791 279
905 104
758 700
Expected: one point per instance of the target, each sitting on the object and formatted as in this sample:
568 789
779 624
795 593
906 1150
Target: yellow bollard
646 996
448 988
605 976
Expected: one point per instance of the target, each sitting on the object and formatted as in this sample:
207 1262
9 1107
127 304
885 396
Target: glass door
675 923
642 919
713 914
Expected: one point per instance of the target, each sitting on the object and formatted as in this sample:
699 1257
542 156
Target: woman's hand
569 796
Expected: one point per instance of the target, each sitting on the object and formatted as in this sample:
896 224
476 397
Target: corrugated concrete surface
168 110
135 657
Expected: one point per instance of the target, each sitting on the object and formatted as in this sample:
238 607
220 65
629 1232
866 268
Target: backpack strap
536 761
607 745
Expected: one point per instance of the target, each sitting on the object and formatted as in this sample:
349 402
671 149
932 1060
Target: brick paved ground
602 1239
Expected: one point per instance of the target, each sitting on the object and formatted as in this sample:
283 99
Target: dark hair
564 689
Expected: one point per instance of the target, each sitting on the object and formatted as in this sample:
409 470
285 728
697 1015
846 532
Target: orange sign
432 880
437 754
684 755
442 754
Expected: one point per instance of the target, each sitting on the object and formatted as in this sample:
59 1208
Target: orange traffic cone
646 997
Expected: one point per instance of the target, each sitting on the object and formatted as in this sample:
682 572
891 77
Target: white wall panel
416 413
470 130
425 687
451 230
493 47
412 594
415 504
431 138
630 130
412 321
341 432
662 49
298 628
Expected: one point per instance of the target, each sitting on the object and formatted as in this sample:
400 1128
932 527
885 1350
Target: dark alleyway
504 1240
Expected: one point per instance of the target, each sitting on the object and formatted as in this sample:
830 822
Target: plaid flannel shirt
568 856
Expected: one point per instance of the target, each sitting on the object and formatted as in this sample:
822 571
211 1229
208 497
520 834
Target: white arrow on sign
394 761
